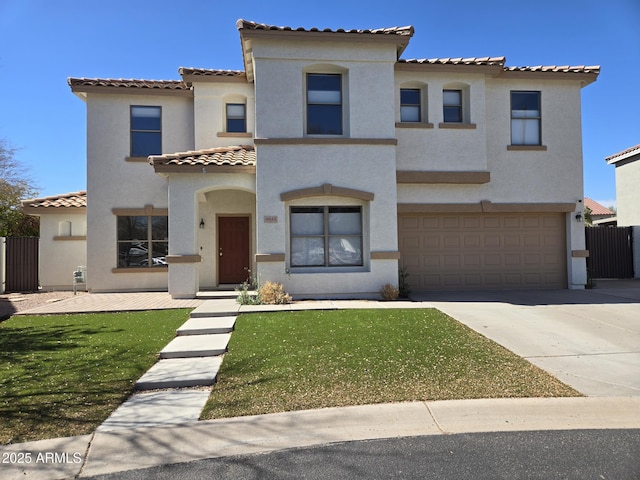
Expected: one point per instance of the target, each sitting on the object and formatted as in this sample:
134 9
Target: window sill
70 237
414 125
136 159
235 134
457 126
527 148
140 270
325 270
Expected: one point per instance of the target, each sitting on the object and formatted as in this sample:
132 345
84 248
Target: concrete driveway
589 339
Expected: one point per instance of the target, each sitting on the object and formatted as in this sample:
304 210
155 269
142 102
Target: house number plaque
270 219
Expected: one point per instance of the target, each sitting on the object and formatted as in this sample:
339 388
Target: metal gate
610 252
21 264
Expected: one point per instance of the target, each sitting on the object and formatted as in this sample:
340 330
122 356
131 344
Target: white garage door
483 251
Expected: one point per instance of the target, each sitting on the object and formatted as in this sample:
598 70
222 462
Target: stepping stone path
177 387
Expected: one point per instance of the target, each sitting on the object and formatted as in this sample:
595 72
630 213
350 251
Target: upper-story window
525 118
410 105
236 117
452 106
324 104
146 131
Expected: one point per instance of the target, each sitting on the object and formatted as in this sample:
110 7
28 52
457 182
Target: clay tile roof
244 156
207 72
248 25
623 154
67 200
128 83
456 61
596 208
554 68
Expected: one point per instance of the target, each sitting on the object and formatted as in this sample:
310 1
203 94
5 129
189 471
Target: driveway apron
589 339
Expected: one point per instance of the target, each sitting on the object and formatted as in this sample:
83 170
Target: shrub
245 297
403 283
389 292
272 293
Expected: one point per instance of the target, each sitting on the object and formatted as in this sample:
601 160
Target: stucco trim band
171 259
147 210
326 190
326 141
410 176
414 125
385 255
269 257
56 210
579 253
485 206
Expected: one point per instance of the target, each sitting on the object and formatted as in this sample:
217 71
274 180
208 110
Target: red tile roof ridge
408 30
624 152
210 72
72 199
596 208
128 82
456 61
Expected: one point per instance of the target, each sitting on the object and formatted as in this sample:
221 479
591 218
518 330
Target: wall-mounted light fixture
578 217
202 223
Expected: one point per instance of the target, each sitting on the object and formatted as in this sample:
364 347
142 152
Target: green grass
312 359
63 375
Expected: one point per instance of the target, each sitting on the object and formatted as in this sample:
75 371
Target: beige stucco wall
209 103
114 183
628 193
63 248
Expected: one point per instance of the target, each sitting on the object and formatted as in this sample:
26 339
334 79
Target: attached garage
465 251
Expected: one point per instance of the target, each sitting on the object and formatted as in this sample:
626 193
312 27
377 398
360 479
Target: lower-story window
326 236
143 241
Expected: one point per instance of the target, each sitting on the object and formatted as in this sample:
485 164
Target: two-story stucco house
329 163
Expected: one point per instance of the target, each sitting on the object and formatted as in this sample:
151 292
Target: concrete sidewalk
108 452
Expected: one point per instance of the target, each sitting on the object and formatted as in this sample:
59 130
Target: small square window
525 118
410 105
236 117
146 131
324 104
452 106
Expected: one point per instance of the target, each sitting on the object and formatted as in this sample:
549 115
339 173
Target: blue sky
42 42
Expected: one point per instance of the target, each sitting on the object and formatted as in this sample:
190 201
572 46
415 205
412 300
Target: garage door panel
473 251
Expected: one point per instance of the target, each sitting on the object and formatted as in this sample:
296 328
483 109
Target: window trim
149 240
525 146
132 156
326 236
341 104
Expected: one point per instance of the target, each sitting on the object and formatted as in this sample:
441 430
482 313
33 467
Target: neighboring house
627 165
63 241
328 163
600 215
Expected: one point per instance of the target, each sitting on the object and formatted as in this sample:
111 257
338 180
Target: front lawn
62 375
310 359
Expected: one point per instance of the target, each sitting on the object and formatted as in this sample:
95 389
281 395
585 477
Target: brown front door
233 249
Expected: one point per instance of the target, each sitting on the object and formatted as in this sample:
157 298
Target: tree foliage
15 185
